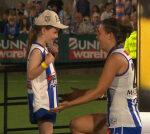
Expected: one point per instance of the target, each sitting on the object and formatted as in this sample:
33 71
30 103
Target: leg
89 124
45 127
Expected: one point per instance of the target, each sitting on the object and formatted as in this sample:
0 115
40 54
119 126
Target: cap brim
61 26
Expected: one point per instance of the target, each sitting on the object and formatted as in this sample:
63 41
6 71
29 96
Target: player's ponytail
121 32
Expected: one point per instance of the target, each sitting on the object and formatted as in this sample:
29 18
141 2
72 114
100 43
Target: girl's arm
34 66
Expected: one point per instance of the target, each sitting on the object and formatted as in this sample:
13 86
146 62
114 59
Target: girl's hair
34 33
120 31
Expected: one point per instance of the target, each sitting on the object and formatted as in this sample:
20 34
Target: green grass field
18 115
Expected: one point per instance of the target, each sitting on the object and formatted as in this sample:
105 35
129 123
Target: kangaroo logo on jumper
113 121
52 79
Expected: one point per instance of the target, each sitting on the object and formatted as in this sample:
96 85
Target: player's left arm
113 66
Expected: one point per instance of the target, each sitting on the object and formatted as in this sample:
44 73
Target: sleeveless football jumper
42 91
122 98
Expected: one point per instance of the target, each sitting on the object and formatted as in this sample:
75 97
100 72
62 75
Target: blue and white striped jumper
122 97
43 90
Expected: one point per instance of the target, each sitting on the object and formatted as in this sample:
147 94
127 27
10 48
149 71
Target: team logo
47 18
52 79
113 121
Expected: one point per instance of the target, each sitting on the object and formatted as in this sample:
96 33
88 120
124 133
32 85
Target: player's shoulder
120 51
117 59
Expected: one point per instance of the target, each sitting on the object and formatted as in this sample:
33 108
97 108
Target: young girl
42 80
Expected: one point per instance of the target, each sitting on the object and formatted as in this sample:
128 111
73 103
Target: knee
74 125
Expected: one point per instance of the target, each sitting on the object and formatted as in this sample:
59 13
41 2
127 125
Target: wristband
44 65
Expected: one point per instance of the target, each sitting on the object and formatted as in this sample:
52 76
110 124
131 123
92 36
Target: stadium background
84 78
81 77
11 3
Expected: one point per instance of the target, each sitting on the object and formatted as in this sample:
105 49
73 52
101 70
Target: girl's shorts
42 115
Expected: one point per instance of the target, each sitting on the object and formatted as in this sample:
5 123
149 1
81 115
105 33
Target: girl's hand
49 58
53 49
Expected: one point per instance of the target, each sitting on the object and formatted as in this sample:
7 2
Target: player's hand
49 58
61 107
76 92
